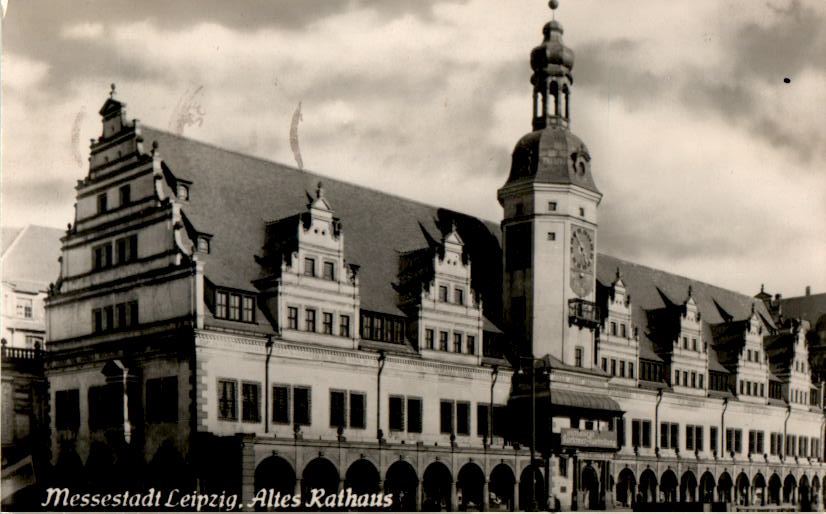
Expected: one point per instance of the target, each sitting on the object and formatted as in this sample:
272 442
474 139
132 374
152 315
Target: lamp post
269 345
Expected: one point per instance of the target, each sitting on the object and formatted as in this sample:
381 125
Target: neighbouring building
29 262
230 323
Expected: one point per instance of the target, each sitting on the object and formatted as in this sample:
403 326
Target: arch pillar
453 498
297 488
485 496
516 502
418 495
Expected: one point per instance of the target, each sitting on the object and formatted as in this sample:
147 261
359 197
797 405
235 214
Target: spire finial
112 89
690 290
619 273
319 192
762 288
554 5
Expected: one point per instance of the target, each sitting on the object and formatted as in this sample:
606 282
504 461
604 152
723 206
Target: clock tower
550 220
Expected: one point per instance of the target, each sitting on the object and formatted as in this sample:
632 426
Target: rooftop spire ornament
554 5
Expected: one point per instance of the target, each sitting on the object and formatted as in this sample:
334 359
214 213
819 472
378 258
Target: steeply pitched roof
7 236
233 196
809 308
651 289
30 260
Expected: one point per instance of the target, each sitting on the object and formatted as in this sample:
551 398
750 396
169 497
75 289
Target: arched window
567 93
555 98
538 106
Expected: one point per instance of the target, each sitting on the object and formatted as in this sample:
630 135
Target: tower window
519 209
551 206
578 357
582 211
102 203
551 236
125 194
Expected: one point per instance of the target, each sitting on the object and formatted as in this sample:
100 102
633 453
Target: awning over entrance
583 400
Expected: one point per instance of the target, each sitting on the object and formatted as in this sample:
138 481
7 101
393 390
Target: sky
711 164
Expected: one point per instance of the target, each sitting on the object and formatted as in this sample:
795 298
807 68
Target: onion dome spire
552 63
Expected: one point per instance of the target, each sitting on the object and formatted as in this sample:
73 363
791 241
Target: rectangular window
251 405
689 437
227 399
234 307
646 434
471 345
446 417
338 409
551 206
677 377
613 328
738 441
613 367
67 409
292 318
329 270
302 397
443 341
396 412
675 435
482 412
457 343
762 390
109 317
635 433
700 380
309 320
712 438
414 415
752 441
309 266
120 315
664 435
462 418
459 296
630 370
759 446
358 417
24 308
623 331
125 193
685 343
578 356
790 445
281 404
428 338
698 438
162 400
563 465
247 309
685 378
97 320
442 293
622 369
102 203
221 305
605 364
693 379
327 322
551 236
344 325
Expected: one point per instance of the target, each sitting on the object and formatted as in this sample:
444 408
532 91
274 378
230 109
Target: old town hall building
226 323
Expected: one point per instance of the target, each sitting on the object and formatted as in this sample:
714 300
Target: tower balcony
583 313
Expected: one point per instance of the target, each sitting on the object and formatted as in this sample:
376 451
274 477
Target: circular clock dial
582 250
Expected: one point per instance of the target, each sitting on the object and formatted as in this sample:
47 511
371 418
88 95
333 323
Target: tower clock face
582 260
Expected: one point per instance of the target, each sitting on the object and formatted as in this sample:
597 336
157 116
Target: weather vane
112 90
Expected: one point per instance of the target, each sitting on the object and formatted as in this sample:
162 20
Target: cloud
21 73
85 30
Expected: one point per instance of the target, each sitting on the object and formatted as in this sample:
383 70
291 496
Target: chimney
808 290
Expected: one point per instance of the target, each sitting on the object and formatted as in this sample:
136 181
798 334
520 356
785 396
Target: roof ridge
693 280
215 146
16 239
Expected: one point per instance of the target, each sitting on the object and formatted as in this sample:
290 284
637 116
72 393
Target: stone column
452 505
485 497
297 488
419 495
516 505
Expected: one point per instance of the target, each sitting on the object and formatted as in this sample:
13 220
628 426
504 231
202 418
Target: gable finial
319 192
112 89
690 291
554 5
619 273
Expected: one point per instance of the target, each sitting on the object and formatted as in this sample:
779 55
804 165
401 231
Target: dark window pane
414 415
281 404
301 405
446 417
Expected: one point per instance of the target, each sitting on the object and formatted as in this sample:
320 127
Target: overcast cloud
710 164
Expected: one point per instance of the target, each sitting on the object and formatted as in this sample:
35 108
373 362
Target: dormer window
329 270
102 203
309 267
234 306
183 192
203 244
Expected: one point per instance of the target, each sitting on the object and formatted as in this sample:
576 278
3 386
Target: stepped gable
650 289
